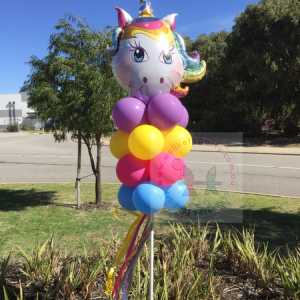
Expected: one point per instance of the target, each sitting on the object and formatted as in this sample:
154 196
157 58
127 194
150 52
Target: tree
207 98
253 72
263 56
74 87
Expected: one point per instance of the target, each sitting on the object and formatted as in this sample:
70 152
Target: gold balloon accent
179 89
146 13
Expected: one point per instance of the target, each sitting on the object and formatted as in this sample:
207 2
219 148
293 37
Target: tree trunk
78 168
98 190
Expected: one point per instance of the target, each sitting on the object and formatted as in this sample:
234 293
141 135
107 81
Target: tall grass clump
5 268
58 273
177 274
242 253
289 273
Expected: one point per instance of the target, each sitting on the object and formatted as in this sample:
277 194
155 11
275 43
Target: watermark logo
211 175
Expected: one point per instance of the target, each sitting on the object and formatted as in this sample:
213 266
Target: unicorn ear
123 17
171 20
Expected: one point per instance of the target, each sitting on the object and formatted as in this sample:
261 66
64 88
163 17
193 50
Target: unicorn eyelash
137 47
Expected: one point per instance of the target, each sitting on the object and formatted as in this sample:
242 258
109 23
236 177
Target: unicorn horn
145 9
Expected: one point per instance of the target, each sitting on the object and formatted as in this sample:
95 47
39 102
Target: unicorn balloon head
150 57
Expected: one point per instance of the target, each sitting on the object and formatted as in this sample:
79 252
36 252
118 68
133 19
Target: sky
25 26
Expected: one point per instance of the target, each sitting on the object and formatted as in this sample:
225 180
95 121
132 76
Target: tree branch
86 141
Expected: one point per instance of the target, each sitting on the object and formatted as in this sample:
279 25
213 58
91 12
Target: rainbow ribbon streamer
132 251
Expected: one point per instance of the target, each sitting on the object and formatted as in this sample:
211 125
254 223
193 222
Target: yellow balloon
177 141
145 142
119 144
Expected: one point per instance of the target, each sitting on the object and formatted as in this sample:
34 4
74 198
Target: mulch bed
233 284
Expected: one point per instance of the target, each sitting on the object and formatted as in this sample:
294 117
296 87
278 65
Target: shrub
28 128
12 127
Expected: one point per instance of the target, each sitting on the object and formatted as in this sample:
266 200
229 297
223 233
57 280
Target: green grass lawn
29 213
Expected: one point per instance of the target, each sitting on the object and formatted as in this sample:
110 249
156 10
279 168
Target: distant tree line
252 73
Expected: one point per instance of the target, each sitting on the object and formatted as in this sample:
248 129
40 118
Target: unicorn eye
166 57
139 54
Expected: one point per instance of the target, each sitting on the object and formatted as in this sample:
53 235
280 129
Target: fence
22 122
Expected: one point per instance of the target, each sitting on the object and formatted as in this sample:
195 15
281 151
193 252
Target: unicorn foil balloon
150 56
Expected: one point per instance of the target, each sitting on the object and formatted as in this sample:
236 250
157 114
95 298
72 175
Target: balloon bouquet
150 61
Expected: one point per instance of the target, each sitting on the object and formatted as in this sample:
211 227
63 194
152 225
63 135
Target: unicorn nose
145 79
162 80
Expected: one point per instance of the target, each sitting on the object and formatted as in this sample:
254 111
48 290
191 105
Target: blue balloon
177 195
148 198
125 197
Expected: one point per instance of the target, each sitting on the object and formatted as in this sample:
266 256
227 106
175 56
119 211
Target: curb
236 192
246 152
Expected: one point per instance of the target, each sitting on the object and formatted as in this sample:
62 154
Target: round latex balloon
145 142
119 144
165 111
131 170
165 169
129 113
148 198
125 197
177 141
185 118
177 195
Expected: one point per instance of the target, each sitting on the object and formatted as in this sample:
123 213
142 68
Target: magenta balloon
185 118
132 171
129 113
165 111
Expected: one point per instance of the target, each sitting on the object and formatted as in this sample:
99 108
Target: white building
14 109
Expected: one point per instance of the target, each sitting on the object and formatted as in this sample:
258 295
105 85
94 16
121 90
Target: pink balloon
185 118
165 169
132 171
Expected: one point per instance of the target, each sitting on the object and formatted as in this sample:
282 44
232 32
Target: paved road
37 158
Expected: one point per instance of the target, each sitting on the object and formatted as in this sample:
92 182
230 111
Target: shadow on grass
18 200
275 228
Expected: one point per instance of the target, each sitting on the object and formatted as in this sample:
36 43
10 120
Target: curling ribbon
133 253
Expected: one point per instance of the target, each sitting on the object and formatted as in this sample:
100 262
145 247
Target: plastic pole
151 263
